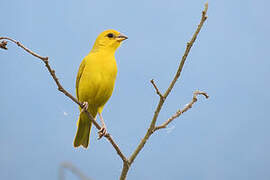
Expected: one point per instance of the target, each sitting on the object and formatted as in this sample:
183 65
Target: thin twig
179 112
73 169
151 128
157 90
61 89
188 47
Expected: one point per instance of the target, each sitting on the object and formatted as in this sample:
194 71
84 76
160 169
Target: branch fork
180 112
157 90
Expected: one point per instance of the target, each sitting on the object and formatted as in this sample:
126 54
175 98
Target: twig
179 112
188 47
151 128
157 90
61 89
73 169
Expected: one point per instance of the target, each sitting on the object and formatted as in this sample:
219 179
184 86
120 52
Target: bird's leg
85 106
103 130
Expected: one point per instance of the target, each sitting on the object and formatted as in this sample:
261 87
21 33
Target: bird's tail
83 131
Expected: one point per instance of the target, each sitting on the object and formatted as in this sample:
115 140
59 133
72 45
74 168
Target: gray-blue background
225 137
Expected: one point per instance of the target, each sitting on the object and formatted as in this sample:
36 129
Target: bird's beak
121 37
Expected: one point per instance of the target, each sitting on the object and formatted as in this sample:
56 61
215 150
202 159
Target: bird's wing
79 75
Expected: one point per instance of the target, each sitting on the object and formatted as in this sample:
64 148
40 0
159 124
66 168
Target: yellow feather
95 80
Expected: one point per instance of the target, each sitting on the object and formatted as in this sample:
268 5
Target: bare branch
73 169
157 90
179 112
61 89
26 49
152 126
188 47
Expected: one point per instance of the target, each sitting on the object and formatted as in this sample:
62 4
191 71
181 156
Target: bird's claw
102 132
85 106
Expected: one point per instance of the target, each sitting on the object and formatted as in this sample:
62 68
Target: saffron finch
95 82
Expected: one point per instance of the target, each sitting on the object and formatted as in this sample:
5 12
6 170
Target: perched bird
95 82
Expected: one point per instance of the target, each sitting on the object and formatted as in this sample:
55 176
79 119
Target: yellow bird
95 82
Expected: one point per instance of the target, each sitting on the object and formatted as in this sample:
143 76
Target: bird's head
109 40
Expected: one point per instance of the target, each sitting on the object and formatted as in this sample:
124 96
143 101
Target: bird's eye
110 35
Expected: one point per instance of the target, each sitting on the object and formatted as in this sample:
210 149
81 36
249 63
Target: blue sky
225 137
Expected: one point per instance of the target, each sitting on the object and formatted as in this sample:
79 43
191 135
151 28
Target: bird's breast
98 80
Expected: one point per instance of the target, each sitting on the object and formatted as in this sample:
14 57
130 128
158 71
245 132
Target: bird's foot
102 132
85 106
